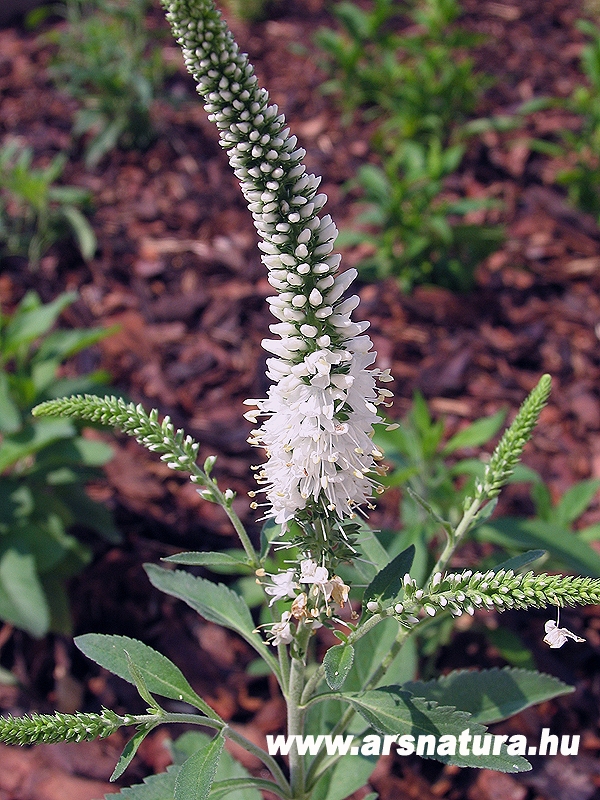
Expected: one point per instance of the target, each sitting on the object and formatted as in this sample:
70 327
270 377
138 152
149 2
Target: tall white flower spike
320 412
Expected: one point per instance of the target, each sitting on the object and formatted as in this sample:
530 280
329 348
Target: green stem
296 712
456 535
261 754
232 734
284 666
317 768
238 526
319 673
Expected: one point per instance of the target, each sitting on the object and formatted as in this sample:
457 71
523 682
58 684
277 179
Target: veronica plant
44 465
104 61
320 474
35 212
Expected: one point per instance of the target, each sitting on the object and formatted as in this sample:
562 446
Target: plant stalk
296 712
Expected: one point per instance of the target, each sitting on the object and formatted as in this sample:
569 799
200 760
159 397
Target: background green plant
252 10
582 179
414 232
418 84
44 465
420 88
436 481
106 61
35 213
437 476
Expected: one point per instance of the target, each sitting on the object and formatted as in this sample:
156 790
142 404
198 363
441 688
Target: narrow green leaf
337 663
240 786
589 534
30 440
517 533
388 581
62 344
22 599
10 416
476 434
82 230
27 325
221 562
214 601
161 675
393 710
78 450
197 774
575 501
520 561
429 509
492 694
372 550
348 775
484 513
140 683
228 770
128 753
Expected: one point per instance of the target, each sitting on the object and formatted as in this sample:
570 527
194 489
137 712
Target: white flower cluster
322 407
309 604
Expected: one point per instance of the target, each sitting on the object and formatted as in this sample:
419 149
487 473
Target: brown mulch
179 271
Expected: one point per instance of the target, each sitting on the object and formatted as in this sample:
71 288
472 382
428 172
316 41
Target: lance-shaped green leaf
27 442
247 788
129 752
229 770
10 416
388 581
429 509
517 562
394 711
235 562
215 602
516 533
575 501
492 694
344 778
22 598
160 675
140 684
32 319
197 774
337 663
477 433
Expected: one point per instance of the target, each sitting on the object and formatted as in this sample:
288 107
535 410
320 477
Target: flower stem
455 536
296 711
317 768
236 522
235 736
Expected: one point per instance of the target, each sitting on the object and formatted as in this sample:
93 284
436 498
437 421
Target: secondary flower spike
319 413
